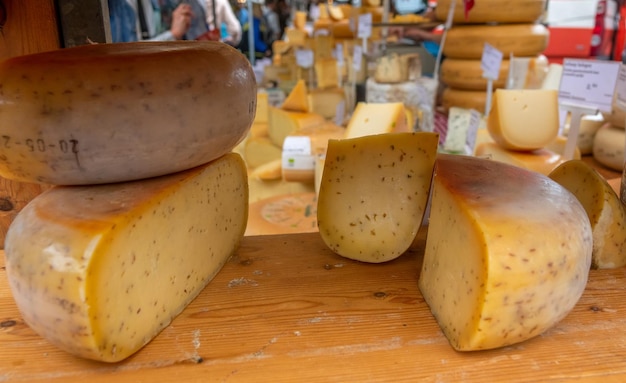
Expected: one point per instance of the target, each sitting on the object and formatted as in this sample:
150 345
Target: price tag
357 56
588 83
364 29
314 12
472 131
304 58
490 62
297 153
340 113
620 88
339 54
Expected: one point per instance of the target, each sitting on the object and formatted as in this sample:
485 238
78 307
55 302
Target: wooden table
286 309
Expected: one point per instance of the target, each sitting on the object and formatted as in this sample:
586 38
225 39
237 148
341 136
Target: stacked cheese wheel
149 203
509 26
608 140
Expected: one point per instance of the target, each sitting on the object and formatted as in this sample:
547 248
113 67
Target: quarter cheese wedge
100 270
377 118
373 193
507 254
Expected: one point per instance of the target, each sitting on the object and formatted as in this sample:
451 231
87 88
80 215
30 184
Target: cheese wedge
373 193
606 212
377 118
258 151
100 270
325 101
524 119
540 160
326 73
283 123
297 100
103 113
507 254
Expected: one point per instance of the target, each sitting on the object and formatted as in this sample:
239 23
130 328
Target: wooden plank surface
286 309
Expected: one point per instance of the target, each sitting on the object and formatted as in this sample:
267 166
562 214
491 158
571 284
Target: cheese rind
492 11
540 160
507 254
116 112
100 270
606 212
524 119
373 193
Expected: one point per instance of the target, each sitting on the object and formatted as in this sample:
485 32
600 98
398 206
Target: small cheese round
608 147
116 112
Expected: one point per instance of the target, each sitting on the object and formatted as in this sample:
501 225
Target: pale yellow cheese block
326 73
524 119
262 105
296 37
262 189
323 46
608 146
118 112
296 100
325 101
521 40
556 147
268 171
373 194
283 123
100 270
507 253
259 151
493 11
377 118
607 214
299 20
466 99
542 160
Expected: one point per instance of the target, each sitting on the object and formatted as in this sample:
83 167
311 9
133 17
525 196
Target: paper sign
472 131
588 83
364 29
339 54
340 113
490 62
620 88
304 58
357 56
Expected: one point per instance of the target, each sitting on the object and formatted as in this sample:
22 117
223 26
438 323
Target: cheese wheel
115 112
589 126
466 99
542 160
283 214
373 194
488 11
617 116
608 147
507 254
100 270
468 41
606 212
467 74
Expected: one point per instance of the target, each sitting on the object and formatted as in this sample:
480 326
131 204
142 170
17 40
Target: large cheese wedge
466 99
507 254
115 112
468 41
283 123
296 100
524 119
100 270
373 194
492 11
608 147
539 160
607 214
377 118
326 73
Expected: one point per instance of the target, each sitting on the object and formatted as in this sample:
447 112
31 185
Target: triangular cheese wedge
297 100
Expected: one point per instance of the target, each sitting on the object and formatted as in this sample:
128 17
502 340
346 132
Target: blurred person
270 14
136 20
262 46
220 13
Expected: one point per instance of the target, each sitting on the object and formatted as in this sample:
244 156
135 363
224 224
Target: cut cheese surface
493 11
377 118
105 113
100 270
297 100
539 160
521 40
606 212
524 119
325 102
507 254
373 193
283 123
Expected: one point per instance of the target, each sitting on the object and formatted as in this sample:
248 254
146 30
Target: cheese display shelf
285 309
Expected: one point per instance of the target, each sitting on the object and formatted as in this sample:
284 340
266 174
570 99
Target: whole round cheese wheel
468 41
468 99
106 113
281 214
486 11
608 147
616 116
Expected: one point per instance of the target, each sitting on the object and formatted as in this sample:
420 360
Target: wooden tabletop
286 309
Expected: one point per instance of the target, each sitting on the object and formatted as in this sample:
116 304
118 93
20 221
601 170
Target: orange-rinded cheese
115 112
100 270
325 102
467 74
296 100
468 41
326 73
542 160
493 11
466 99
507 254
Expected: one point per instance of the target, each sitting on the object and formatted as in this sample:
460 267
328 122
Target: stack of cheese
609 139
148 203
522 129
508 25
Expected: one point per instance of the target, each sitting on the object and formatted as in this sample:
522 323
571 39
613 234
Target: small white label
490 62
588 83
620 88
357 56
364 29
472 131
339 54
304 58
297 153
340 112
314 12
297 145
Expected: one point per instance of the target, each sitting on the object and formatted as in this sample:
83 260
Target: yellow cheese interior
377 118
99 271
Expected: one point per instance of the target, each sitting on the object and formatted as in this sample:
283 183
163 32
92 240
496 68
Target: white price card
490 62
304 58
472 131
364 29
357 56
620 88
588 83
340 112
339 54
